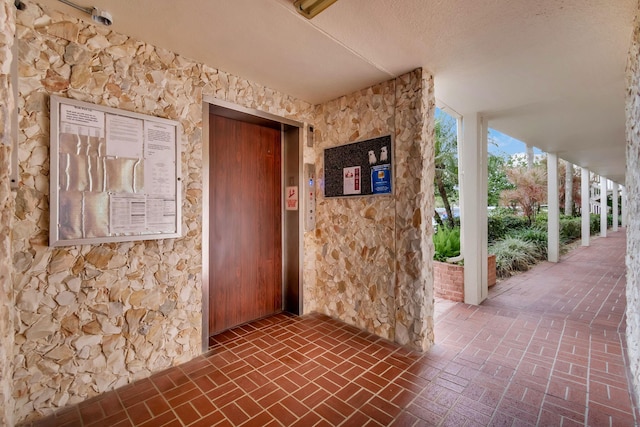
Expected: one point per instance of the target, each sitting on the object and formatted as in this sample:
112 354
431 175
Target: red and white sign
351 180
291 199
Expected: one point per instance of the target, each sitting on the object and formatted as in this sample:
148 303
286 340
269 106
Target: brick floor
546 348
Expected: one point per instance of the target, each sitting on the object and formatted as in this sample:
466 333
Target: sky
499 143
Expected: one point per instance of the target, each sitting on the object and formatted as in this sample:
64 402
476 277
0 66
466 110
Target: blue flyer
381 179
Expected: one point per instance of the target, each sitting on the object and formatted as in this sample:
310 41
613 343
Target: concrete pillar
568 188
614 198
585 195
631 205
473 207
624 212
603 206
553 203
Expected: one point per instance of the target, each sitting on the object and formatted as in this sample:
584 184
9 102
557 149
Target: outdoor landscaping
517 220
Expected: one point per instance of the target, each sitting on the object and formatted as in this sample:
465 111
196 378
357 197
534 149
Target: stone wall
633 205
373 259
415 169
92 318
7 30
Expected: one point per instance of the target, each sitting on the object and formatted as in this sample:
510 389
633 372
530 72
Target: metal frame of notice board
115 175
360 168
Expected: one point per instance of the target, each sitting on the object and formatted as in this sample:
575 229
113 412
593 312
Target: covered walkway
546 348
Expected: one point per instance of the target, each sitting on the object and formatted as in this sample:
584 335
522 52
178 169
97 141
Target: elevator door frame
292 221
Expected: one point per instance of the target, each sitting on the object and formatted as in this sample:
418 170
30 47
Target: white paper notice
127 213
124 136
352 180
81 121
160 159
161 215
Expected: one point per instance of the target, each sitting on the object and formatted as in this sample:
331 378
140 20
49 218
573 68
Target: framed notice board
115 175
361 168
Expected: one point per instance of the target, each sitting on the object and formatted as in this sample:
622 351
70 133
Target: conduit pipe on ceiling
98 15
310 8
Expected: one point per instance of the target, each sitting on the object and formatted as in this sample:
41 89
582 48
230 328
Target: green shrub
500 225
570 228
514 254
541 219
536 235
594 223
503 211
495 228
446 243
610 220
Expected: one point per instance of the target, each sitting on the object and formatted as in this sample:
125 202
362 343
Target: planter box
448 279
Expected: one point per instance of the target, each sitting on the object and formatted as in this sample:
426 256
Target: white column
603 206
624 206
586 211
473 207
553 203
460 135
614 198
484 202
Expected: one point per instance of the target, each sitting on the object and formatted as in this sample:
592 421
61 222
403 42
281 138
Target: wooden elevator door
245 255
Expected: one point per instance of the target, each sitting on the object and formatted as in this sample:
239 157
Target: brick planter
448 279
491 270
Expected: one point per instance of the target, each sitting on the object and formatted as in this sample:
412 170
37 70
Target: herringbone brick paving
546 348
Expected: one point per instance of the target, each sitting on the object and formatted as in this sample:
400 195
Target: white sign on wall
351 180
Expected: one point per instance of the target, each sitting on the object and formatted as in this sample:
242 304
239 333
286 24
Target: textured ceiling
548 72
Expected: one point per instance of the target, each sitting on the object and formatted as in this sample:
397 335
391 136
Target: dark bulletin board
359 169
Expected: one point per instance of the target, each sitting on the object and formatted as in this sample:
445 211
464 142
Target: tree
529 192
446 163
575 180
568 188
497 179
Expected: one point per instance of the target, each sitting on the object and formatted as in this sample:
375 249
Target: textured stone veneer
92 318
415 169
373 259
7 29
633 205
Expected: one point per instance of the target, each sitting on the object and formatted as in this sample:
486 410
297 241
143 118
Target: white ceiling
548 72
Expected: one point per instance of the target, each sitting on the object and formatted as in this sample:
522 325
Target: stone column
415 168
603 206
585 196
631 204
7 31
553 203
473 206
624 212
